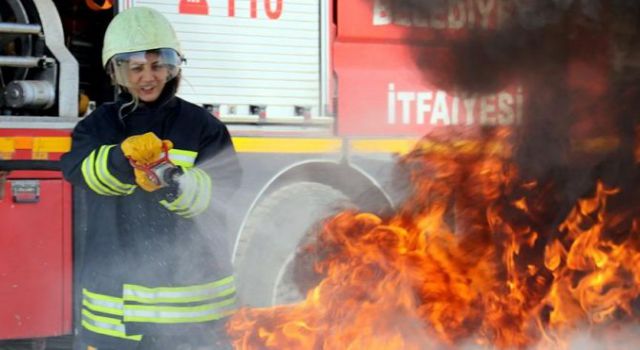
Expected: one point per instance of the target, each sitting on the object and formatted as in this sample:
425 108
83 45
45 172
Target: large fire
478 256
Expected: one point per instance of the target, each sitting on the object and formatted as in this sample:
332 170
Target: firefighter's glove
144 149
143 180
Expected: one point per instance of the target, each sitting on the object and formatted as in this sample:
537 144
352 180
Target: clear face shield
142 70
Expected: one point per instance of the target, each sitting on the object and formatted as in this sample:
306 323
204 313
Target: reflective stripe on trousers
102 314
188 304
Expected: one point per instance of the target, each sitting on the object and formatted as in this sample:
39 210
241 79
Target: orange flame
470 258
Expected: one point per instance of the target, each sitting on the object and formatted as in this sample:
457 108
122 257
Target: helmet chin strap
134 102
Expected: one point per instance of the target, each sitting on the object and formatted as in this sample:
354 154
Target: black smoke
578 62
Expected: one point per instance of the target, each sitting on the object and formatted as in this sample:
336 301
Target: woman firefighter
156 170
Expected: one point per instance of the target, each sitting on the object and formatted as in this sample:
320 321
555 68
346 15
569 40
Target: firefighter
156 270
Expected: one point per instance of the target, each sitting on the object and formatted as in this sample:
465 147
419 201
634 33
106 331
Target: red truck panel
371 20
390 95
386 82
35 262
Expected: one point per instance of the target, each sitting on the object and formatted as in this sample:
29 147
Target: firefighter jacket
154 262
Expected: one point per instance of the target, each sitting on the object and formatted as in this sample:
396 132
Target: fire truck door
35 258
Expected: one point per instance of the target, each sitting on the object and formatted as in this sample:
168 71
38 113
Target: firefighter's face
147 76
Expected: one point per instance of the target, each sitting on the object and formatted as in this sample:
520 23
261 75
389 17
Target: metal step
53 343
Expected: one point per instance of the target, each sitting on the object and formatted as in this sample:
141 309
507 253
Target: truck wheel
270 240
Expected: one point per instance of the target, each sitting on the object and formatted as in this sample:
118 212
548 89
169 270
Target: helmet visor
134 68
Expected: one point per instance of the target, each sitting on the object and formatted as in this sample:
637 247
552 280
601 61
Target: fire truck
320 97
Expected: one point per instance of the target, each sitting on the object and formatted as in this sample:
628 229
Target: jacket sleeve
214 178
95 163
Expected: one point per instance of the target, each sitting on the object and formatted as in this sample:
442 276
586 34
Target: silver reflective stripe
168 314
182 157
155 297
102 303
106 326
189 186
203 196
220 288
196 194
103 306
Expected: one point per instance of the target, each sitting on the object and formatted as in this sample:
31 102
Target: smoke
575 60
623 338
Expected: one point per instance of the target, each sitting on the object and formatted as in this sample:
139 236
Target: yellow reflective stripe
188 186
103 319
196 194
212 290
106 326
180 314
88 172
179 297
191 185
202 197
49 144
105 176
102 303
173 206
6 145
97 296
286 145
101 308
54 144
182 158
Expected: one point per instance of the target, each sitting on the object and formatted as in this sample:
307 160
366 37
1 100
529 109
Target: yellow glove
144 149
144 181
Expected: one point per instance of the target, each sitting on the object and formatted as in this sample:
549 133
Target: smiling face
147 75
144 74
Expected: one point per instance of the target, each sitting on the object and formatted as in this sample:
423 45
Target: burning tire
269 246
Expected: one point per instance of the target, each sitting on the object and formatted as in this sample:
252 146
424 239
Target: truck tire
278 226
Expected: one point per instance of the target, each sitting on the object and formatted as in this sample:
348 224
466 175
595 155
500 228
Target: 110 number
272 8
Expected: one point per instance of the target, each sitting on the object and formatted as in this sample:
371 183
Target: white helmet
133 34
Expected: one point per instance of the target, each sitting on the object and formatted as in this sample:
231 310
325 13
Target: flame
470 258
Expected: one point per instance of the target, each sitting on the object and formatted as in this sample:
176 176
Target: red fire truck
320 97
